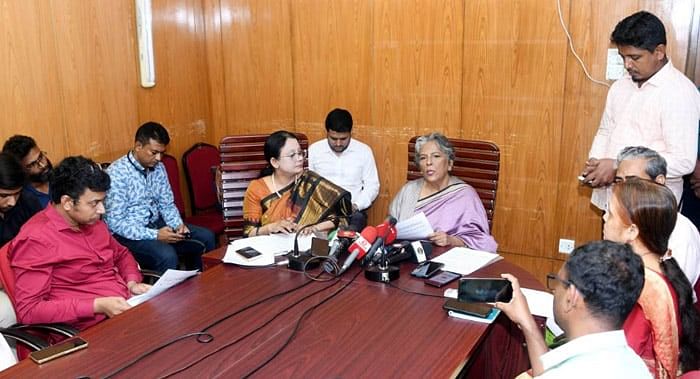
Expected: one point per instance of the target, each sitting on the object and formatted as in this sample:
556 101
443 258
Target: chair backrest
242 158
476 162
697 295
173 172
7 276
200 162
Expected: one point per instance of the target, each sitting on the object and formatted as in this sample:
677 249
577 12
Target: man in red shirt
67 265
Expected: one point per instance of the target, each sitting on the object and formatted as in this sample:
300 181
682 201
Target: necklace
274 186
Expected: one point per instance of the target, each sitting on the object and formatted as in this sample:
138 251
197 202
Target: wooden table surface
368 329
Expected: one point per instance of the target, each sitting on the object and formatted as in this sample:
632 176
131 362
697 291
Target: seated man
348 163
35 162
16 207
684 242
594 292
141 211
68 268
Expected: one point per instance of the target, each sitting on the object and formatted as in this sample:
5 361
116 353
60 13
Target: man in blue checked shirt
141 211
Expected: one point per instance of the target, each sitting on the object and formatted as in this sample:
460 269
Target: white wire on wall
573 51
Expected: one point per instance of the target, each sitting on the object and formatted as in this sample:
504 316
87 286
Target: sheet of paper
415 228
464 261
541 304
169 279
270 246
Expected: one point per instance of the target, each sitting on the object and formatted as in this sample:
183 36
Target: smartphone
484 290
249 253
474 309
442 278
58 350
427 269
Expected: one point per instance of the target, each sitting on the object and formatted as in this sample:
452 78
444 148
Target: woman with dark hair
663 326
284 198
452 207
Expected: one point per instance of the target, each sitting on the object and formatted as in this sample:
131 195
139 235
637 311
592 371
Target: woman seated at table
284 198
453 207
664 325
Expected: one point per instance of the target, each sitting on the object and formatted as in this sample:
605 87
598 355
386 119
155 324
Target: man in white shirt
594 292
348 163
684 242
653 105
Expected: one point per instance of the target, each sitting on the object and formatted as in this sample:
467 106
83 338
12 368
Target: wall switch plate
566 246
615 67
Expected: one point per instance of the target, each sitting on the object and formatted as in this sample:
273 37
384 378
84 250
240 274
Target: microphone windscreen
367 237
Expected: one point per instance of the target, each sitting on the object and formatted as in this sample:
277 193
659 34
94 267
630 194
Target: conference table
348 327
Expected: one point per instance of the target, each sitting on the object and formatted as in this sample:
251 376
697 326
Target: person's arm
370 181
679 125
518 311
166 201
32 263
124 219
602 136
126 264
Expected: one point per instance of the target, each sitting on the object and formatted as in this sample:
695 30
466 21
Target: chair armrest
60 329
29 340
150 276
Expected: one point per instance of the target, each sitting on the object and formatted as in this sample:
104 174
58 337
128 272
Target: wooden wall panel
257 61
514 64
30 92
416 76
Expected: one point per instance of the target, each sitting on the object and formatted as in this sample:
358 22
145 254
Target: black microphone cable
253 331
298 324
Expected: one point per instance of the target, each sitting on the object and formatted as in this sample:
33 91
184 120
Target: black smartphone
58 350
484 290
427 269
187 235
249 253
442 278
474 309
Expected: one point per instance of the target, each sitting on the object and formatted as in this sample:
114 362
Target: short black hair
339 120
12 175
152 131
19 146
74 175
610 276
642 30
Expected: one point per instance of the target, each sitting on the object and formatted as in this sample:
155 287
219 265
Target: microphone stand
383 272
298 260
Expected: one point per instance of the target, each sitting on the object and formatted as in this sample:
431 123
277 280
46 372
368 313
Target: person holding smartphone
594 293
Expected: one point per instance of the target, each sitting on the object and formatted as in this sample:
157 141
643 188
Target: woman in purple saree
453 207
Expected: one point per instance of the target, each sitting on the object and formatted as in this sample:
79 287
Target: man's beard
44 176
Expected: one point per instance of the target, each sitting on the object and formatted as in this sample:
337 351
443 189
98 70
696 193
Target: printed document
415 228
464 261
169 279
270 246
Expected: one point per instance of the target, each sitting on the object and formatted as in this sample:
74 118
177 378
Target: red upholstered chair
212 221
242 158
200 162
35 336
476 162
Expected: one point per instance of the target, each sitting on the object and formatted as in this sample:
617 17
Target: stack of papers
464 261
270 246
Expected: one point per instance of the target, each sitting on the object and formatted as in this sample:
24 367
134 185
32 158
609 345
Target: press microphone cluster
386 234
359 248
342 242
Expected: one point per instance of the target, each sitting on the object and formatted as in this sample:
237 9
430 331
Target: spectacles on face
296 155
40 161
552 278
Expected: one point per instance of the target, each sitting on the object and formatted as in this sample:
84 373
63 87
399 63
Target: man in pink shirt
68 267
653 105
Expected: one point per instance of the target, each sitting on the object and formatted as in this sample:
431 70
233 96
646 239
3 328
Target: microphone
386 233
359 248
343 239
297 260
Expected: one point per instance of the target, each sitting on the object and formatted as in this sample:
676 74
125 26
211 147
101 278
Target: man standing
653 105
348 163
594 292
68 267
684 243
35 162
141 211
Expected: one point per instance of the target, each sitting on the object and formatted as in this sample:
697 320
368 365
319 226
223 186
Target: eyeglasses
40 161
299 154
551 278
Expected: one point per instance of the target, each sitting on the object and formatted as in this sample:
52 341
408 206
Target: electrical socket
566 246
615 67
